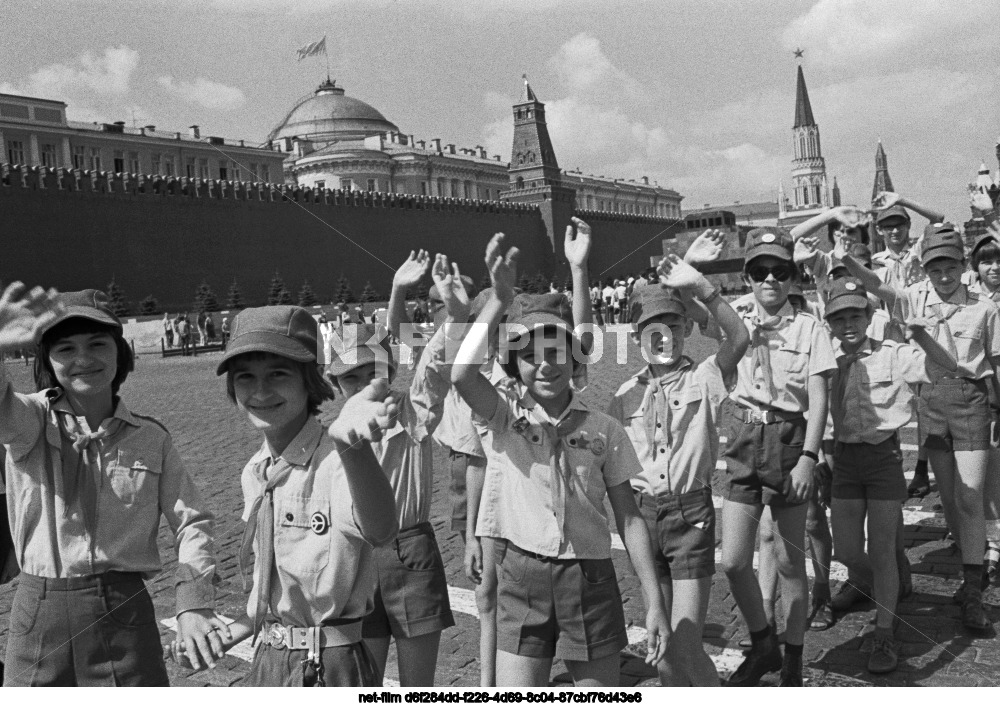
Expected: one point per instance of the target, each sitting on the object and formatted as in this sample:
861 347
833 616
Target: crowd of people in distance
803 400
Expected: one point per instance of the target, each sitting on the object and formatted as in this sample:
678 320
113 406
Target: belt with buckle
767 417
311 637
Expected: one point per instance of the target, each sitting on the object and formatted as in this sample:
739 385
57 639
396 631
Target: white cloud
583 67
204 92
108 75
862 32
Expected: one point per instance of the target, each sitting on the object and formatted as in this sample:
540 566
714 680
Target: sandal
822 616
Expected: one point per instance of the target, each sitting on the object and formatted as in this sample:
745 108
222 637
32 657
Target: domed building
336 141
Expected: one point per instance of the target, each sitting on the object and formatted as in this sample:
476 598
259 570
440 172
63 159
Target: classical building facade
35 132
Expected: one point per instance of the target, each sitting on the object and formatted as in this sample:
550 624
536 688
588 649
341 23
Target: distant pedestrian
168 330
225 331
183 325
209 327
201 319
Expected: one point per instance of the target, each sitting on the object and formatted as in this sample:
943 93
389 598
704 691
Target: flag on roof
313 49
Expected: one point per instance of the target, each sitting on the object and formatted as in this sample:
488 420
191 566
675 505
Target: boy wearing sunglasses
772 450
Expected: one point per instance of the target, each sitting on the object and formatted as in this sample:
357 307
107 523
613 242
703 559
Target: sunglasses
759 273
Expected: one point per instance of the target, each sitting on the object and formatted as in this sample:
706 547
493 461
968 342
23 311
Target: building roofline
33 98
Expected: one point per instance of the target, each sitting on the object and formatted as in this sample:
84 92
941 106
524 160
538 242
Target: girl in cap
772 450
555 461
315 506
87 483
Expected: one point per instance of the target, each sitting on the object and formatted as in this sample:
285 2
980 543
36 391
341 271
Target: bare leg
686 663
882 527
767 569
790 525
522 671
486 602
739 530
603 672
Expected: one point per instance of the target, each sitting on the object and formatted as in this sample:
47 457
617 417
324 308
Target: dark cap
846 293
281 329
85 304
434 294
533 311
360 344
651 301
775 241
893 211
984 239
941 240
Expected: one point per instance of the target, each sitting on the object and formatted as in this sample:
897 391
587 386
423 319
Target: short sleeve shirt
798 346
897 271
519 502
673 425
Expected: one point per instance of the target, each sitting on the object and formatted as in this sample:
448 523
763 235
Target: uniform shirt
799 347
457 431
897 271
972 320
316 576
875 399
406 452
675 433
138 478
976 285
522 502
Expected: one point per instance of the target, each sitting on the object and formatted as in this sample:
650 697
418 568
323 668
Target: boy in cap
954 410
670 411
315 506
872 381
899 264
411 595
773 449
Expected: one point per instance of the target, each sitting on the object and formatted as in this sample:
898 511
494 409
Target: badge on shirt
598 446
520 425
319 523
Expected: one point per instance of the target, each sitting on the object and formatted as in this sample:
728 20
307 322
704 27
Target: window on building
189 168
442 187
95 158
155 159
15 151
234 171
223 172
119 161
321 184
519 183
79 157
454 188
345 184
265 173
133 163
372 185
203 167
168 166
423 188
487 195
49 156
467 190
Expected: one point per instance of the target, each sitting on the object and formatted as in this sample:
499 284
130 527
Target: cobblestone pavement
215 441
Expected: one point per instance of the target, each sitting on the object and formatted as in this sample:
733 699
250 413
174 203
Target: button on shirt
875 400
406 452
68 525
673 424
798 346
322 563
968 322
518 499
897 271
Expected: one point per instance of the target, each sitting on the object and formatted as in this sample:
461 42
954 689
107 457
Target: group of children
337 518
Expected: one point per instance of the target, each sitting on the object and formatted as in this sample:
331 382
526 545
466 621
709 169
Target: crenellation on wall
615 216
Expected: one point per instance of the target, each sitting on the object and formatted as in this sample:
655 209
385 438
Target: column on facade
67 153
35 158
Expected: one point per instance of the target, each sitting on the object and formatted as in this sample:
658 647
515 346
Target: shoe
747 643
822 616
992 572
973 616
885 653
920 486
905 578
848 595
791 671
761 659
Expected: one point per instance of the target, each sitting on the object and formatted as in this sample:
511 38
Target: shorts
411 598
550 608
683 533
92 631
759 457
343 666
869 471
955 415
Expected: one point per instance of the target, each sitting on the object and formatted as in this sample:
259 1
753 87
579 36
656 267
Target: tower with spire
809 194
534 172
883 182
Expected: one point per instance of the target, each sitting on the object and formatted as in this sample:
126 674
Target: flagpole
327 55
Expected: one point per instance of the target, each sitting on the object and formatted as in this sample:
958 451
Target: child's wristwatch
810 455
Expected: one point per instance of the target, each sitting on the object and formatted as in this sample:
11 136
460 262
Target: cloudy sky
698 95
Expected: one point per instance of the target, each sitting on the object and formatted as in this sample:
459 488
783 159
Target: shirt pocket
684 406
968 342
880 385
791 359
135 479
302 530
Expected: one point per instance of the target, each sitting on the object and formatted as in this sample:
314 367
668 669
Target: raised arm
886 199
407 276
577 249
916 330
850 216
471 384
873 283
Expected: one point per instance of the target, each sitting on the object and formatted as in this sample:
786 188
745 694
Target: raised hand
23 313
706 248
450 288
676 273
806 249
410 272
919 324
884 200
502 268
577 246
366 415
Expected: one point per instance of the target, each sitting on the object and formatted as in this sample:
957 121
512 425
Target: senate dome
330 115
